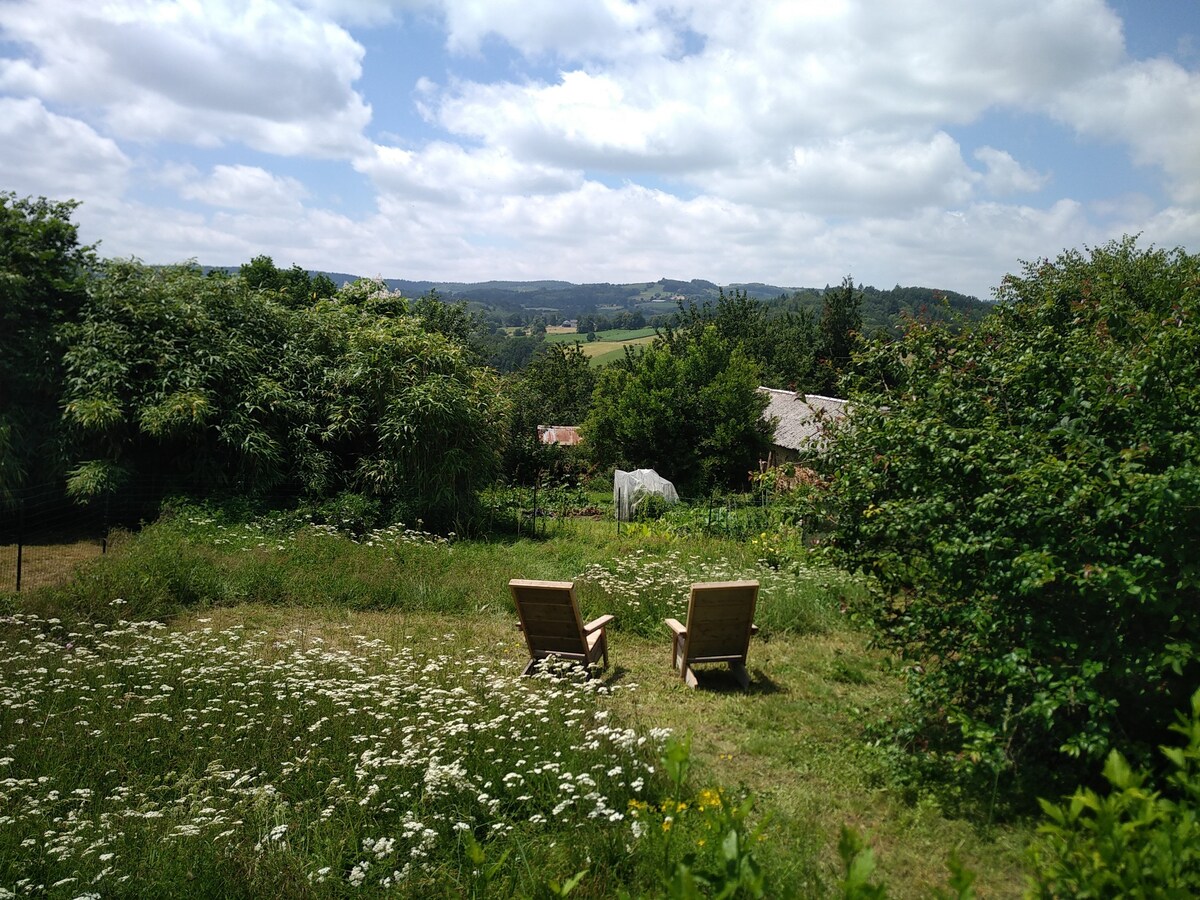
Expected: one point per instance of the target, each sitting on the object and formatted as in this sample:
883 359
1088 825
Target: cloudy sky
929 142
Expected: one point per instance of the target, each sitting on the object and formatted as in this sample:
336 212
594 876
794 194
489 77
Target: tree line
269 381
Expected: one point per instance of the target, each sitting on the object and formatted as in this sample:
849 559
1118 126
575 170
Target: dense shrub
1027 498
692 412
193 383
1135 841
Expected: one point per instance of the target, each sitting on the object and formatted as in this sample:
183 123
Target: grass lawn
314 609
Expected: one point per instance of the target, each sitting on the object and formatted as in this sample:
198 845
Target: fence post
104 526
20 539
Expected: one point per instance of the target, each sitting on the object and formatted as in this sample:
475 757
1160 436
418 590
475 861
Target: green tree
840 334
557 385
554 389
1027 496
691 410
293 287
43 273
784 345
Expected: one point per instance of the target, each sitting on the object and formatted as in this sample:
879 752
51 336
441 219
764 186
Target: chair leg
529 668
739 672
689 677
676 652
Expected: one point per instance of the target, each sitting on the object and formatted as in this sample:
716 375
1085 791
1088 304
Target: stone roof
801 418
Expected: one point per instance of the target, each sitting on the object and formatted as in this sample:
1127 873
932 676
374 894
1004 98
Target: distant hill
881 309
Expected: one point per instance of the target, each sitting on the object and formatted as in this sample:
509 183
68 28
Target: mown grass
391 599
612 335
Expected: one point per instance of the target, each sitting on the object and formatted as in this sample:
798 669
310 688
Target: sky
934 143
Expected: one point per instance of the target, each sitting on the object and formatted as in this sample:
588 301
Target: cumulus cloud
246 187
42 153
736 140
1154 107
1007 176
603 29
444 173
853 175
265 74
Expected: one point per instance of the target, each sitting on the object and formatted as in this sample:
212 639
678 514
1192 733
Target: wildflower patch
136 758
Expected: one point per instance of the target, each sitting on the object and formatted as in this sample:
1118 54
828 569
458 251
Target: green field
609 345
613 335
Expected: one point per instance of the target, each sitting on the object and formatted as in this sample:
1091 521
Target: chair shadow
614 675
715 680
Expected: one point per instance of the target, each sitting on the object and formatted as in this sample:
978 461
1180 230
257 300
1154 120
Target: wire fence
44 537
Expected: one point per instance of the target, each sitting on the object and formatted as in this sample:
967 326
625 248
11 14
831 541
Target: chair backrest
720 616
550 618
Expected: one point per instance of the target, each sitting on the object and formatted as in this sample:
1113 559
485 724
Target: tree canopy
691 410
43 271
198 383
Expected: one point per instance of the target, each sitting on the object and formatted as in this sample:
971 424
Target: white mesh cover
630 488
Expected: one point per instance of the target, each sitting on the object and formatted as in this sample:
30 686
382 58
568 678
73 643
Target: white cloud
447 174
802 140
862 173
602 29
55 156
246 187
265 74
1154 107
1007 176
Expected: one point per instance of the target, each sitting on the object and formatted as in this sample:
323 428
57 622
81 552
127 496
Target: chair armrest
597 623
675 626
754 629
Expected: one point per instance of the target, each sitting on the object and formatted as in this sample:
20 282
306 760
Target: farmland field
609 346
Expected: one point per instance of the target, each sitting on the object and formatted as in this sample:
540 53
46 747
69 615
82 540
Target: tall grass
195 559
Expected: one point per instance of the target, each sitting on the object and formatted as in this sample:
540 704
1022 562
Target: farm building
801 420
563 435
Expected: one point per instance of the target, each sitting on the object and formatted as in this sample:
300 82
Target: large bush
1027 496
195 383
43 270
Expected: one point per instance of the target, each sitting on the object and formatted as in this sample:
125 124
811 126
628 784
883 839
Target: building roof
566 435
801 418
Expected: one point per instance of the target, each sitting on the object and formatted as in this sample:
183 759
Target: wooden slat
551 622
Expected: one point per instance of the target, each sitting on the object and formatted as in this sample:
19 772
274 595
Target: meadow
608 346
268 707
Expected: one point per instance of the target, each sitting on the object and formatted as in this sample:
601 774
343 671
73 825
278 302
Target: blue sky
917 143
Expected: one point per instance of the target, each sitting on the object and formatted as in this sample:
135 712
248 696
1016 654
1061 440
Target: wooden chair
552 626
720 621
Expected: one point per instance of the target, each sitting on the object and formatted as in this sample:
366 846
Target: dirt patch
44 564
